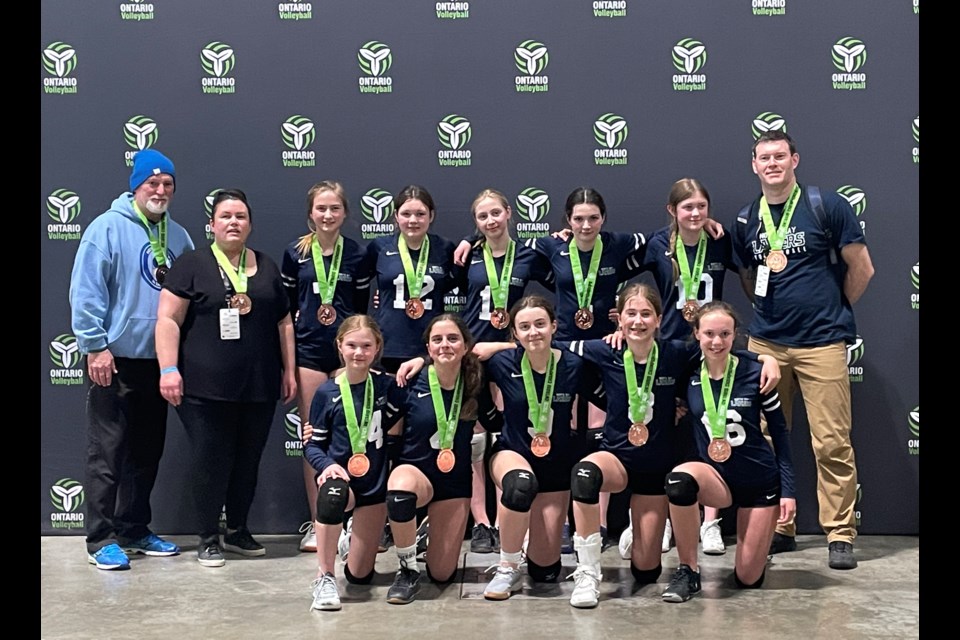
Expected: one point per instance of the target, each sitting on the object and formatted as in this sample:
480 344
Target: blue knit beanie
150 162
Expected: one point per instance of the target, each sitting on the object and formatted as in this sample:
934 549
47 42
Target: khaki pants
824 382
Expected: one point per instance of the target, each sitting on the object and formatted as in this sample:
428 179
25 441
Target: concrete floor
270 597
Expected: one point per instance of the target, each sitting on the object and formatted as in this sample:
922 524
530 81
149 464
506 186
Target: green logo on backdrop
65 356
857 199
452 10
139 132
913 424
767 121
610 132
915 128
454 132
533 205
768 7
854 355
136 10
293 445
689 56
848 55
915 279
376 206
208 210
609 8
218 60
375 59
298 133
66 496
295 10
59 60
63 207
531 59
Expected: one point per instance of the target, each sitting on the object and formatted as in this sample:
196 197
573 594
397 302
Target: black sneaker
240 541
841 556
209 555
782 544
405 587
481 539
684 584
386 539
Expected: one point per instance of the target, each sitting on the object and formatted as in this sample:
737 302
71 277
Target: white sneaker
586 589
626 543
309 540
667 537
711 539
326 597
343 542
504 583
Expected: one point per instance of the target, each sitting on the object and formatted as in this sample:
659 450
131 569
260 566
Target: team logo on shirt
848 55
136 10
139 132
375 60
689 56
915 128
292 427
533 205
857 199
609 8
65 356
610 132
376 205
767 121
148 266
59 61
63 207
66 496
531 58
298 133
295 10
913 424
768 7
915 279
217 60
854 355
452 10
454 132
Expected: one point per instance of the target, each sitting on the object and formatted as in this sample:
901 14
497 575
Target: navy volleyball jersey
314 340
403 336
620 250
753 463
674 363
718 261
503 369
330 443
528 265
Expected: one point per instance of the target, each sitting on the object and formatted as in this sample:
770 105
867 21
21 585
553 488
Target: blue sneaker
152 545
110 557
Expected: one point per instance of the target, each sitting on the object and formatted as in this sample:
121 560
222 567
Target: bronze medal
690 310
326 314
446 460
241 302
414 308
358 465
540 445
161 273
500 318
719 450
777 261
583 318
638 434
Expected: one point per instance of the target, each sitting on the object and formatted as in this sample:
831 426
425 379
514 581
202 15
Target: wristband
167 370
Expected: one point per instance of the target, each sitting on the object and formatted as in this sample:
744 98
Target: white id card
229 324
763 279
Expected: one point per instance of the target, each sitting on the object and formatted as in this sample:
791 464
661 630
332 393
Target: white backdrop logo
531 59
65 356
848 55
376 207
609 8
295 10
454 133
768 7
533 205
452 10
59 60
610 132
915 280
915 129
63 207
136 10
298 132
767 121
208 210
854 356
66 497
375 59
689 56
858 200
913 424
217 59
293 428
139 133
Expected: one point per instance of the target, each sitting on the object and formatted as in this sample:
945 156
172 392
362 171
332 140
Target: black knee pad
743 585
401 505
682 488
549 573
646 576
352 579
443 582
332 501
585 482
519 489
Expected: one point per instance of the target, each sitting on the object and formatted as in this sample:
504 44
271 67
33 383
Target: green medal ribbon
640 398
691 279
414 278
717 411
158 244
583 285
359 432
446 422
326 281
238 276
775 237
539 408
499 288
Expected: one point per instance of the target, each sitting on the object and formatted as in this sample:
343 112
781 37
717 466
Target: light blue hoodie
113 290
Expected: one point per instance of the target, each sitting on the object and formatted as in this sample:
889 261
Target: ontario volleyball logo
298 133
454 132
610 132
854 356
857 199
915 129
217 60
65 356
531 59
293 429
375 60
767 121
452 10
768 7
376 207
533 205
848 55
295 10
136 10
915 279
609 8
66 497
139 133
59 60
913 424
63 207
688 57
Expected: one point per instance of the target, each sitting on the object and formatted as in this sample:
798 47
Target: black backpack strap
815 200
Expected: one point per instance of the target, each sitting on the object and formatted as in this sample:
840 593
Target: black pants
127 424
227 440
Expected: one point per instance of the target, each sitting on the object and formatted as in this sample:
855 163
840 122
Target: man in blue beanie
120 265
